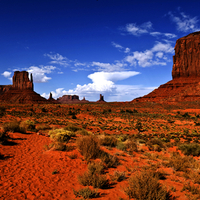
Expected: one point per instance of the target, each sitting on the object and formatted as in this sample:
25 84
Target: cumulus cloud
39 73
185 23
153 56
7 75
138 30
102 82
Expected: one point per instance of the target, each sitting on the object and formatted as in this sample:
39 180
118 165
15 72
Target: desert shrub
13 126
190 149
60 135
95 180
89 147
109 160
131 145
27 125
155 144
146 186
43 127
82 132
121 146
138 126
191 188
96 167
108 141
180 163
118 176
72 128
122 138
86 193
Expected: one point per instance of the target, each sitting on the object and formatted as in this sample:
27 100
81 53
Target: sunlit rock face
187 56
185 83
21 81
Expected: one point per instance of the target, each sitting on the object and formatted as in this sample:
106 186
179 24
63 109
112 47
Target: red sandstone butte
185 85
21 91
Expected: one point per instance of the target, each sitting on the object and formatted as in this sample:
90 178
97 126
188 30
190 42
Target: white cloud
138 30
118 66
39 73
102 83
120 47
7 75
168 35
185 23
153 56
58 59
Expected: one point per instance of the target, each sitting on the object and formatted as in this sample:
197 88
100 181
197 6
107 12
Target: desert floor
38 160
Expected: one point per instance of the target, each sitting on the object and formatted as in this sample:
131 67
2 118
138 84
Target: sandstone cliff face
185 85
21 91
68 99
21 81
187 56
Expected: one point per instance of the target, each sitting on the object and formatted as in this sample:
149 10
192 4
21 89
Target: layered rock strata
185 85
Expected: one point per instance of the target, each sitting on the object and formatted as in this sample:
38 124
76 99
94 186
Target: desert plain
100 150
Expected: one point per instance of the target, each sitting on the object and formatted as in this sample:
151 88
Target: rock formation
21 91
101 99
51 99
68 99
21 81
187 56
185 85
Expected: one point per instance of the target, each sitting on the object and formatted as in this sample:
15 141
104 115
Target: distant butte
185 83
21 91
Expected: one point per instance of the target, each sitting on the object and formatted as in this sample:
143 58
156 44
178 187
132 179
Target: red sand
26 172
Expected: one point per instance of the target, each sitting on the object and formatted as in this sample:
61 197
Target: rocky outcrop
21 91
21 81
4 88
51 99
68 99
187 56
101 99
185 85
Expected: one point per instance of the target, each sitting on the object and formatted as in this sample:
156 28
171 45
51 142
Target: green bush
146 186
190 149
89 147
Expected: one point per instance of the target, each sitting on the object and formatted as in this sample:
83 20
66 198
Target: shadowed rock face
185 85
187 56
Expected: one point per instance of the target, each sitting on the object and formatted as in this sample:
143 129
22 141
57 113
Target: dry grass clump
155 144
146 186
27 125
13 126
181 163
118 176
190 149
96 167
61 135
43 127
108 160
110 141
86 193
95 180
89 147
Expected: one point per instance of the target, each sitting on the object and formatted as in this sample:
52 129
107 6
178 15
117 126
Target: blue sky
122 49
